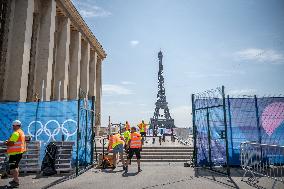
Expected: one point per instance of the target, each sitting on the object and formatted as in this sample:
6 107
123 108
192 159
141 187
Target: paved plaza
153 176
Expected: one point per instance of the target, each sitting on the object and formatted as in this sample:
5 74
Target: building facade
49 52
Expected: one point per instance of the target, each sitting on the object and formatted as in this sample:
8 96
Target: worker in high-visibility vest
16 146
143 129
127 126
135 146
117 144
126 136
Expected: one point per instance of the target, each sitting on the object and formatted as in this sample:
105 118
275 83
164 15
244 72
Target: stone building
47 50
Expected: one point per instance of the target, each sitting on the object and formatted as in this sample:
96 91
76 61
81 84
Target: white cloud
260 55
182 116
88 10
128 83
242 92
134 43
110 90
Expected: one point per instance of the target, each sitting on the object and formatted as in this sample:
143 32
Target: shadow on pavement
129 174
222 179
228 181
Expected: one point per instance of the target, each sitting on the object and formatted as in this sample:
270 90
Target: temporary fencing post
194 131
209 136
78 137
86 130
36 118
93 134
226 129
230 122
257 119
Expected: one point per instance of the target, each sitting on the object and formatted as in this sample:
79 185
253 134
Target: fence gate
210 130
85 132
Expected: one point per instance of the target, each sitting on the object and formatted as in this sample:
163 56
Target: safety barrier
262 159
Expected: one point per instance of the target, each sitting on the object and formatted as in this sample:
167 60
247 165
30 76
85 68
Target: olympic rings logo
44 129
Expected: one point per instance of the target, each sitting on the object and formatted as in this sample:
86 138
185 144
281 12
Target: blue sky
206 44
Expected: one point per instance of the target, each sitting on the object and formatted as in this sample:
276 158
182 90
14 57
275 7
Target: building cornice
79 23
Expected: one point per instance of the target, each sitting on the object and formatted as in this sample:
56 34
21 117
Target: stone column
84 69
62 58
44 55
98 96
18 57
75 59
92 74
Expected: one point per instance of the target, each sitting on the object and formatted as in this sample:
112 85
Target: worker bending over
117 144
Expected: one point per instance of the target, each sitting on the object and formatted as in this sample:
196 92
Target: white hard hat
17 122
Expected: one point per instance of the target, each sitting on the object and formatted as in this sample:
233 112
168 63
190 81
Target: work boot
139 169
14 184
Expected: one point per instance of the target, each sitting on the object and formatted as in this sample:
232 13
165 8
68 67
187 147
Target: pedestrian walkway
153 176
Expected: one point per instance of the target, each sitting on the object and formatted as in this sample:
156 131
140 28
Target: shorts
14 161
143 134
132 151
118 149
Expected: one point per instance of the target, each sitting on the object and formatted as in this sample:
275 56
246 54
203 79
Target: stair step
162 148
165 157
158 152
161 160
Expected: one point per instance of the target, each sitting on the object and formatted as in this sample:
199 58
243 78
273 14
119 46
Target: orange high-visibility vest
116 140
142 127
20 145
135 140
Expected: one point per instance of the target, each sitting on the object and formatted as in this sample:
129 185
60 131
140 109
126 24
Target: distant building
48 52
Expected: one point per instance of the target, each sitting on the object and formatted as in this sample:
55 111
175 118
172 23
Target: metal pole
93 133
120 128
42 90
226 129
37 107
258 124
78 137
194 131
86 130
257 119
209 137
230 123
109 126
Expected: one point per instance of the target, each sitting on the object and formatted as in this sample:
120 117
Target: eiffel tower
162 117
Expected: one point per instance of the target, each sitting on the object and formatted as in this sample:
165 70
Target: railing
263 159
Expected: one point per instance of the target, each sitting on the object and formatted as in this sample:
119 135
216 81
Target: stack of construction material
31 158
63 161
3 158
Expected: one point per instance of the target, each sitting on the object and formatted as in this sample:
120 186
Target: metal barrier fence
221 123
210 130
85 132
48 121
262 159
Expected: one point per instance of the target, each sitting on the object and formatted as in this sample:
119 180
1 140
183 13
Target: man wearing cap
16 146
